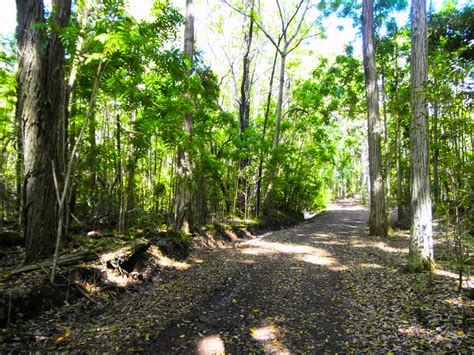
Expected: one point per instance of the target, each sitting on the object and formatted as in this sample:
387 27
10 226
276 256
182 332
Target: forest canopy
147 129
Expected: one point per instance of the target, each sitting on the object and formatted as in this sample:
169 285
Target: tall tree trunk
121 194
265 123
19 172
40 110
436 188
184 170
276 139
398 147
244 105
244 110
377 217
131 169
421 243
388 158
401 213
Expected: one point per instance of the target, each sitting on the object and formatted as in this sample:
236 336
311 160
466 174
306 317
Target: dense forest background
268 126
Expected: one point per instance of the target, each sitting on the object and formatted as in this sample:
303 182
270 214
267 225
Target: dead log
64 260
116 255
125 252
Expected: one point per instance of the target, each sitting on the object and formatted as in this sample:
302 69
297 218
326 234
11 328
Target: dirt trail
285 294
320 286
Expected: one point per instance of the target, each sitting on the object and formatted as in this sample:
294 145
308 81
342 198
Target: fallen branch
86 294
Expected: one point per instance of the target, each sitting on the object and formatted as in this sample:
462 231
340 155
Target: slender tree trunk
244 105
121 197
401 214
40 110
131 169
265 123
184 170
276 139
244 110
398 147
387 156
63 195
19 173
281 89
377 217
421 243
436 188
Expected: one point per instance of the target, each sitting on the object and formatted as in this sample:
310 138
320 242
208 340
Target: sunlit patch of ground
210 345
269 337
248 261
346 208
306 253
330 243
466 283
370 266
258 251
327 261
196 260
167 262
377 245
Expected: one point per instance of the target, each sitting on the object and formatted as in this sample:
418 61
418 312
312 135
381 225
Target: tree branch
270 38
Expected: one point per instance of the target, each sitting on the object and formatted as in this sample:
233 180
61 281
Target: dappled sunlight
421 332
116 276
467 282
370 266
120 280
170 263
346 208
281 247
305 253
248 262
412 331
378 245
269 337
264 333
211 344
258 251
321 260
167 262
322 235
459 302
331 243
196 260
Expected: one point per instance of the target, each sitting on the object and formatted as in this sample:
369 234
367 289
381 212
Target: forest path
323 285
284 293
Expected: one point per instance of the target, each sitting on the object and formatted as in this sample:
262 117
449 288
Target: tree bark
184 170
421 243
121 194
244 112
436 188
244 107
377 217
131 168
265 123
276 139
40 110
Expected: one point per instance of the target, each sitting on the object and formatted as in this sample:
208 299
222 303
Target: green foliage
127 164
8 127
452 30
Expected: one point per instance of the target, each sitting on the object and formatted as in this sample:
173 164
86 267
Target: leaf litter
320 286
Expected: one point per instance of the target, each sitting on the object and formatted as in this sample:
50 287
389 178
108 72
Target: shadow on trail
285 296
286 292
